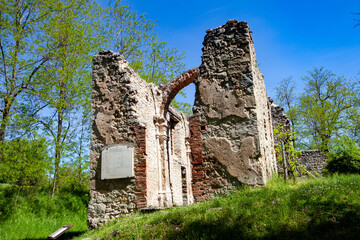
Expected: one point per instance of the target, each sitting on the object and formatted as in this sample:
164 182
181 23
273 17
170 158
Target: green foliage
344 157
74 175
64 85
24 162
285 152
323 107
21 56
183 107
322 208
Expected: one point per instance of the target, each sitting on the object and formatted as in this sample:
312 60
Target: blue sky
291 37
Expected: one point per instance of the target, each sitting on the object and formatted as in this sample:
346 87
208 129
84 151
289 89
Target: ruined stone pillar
232 121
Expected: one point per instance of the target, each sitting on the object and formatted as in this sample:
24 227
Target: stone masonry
146 154
231 115
314 161
126 112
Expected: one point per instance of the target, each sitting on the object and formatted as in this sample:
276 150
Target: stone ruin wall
126 111
178 160
314 161
231 115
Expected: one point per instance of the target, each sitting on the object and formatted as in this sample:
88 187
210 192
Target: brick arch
172 88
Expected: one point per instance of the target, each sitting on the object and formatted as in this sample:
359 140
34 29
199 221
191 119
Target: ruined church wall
119 98
146 109
226 145
178 160
127 118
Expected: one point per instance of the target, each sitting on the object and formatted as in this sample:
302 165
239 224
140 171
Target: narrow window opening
184 186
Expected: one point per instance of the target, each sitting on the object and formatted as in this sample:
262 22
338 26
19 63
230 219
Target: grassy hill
325 208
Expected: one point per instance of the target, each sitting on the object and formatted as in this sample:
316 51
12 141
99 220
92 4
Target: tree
287 98
285 153
64 85
21 55
323 106
353 123
133 36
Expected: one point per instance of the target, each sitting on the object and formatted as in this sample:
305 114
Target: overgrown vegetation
323 208
31 213
286 154
24 162
344 157
320 208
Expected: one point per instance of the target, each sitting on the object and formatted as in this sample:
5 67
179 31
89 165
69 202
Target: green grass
325 208
29 213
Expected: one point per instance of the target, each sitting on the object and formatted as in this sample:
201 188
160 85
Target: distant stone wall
313 160
232 140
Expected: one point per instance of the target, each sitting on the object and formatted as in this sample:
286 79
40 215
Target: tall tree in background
64 84
21 56
286 97
323 107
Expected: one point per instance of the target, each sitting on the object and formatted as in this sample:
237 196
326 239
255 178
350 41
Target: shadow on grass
344 226
65 236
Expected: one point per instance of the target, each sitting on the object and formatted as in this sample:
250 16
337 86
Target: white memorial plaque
117 162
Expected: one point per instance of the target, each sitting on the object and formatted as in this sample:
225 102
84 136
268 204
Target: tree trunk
4 119
4 122
284 161
57 153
